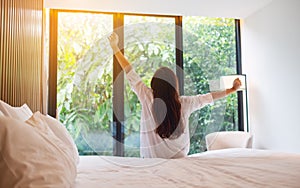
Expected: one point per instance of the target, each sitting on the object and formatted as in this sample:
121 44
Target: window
84 80
209 52
87 86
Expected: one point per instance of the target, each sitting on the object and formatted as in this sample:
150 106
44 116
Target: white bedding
37 151
219 168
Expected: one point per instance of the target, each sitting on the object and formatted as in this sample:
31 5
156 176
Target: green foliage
85 74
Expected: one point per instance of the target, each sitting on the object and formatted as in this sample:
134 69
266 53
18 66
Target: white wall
271 60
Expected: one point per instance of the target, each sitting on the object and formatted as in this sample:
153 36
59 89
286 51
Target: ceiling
211 8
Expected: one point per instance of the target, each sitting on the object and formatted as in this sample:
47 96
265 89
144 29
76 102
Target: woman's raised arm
220 94
124 63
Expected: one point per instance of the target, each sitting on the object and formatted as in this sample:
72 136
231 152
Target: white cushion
228 139
21 113
32 156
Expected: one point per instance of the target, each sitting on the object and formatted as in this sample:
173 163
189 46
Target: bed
218 168
36 150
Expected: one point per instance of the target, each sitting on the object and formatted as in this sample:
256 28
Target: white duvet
220 168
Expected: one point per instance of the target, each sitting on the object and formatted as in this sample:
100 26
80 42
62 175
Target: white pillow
31 155
21 113
61 132
37 121
1 114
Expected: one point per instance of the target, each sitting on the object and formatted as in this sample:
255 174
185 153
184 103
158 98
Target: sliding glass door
84 80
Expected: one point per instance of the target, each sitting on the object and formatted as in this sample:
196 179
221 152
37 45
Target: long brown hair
166 105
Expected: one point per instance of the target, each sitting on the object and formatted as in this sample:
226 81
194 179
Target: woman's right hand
236 84
114 40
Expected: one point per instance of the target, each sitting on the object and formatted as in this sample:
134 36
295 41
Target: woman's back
151 143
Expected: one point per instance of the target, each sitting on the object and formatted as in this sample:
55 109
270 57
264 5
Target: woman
164 130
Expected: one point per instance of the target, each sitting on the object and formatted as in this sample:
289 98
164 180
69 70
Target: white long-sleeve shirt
151 144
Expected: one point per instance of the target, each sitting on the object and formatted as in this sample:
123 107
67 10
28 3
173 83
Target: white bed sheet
219 168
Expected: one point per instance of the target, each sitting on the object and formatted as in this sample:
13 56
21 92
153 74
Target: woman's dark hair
166 105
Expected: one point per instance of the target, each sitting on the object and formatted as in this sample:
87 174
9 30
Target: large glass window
84 80
209 52
88 93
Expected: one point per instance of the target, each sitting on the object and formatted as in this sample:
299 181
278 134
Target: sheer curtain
22 70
